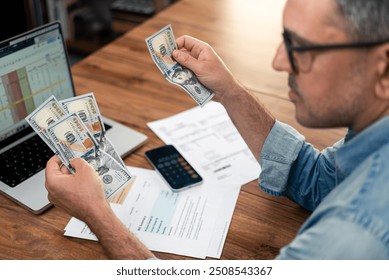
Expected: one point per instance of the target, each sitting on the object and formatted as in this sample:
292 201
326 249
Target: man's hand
200 57
80 194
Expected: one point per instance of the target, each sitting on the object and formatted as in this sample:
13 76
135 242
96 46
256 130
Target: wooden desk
130 89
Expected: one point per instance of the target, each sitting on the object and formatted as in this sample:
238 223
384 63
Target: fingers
183 42
53 165
189 43
53 170
78 163
54 160
191 53
84 169
184 58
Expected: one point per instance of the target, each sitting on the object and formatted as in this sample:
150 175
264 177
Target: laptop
34 66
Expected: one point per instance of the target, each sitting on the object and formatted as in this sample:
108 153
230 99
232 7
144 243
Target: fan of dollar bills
161 46
73 128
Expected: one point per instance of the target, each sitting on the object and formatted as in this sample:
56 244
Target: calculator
173 167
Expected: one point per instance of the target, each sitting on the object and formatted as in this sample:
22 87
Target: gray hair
365 20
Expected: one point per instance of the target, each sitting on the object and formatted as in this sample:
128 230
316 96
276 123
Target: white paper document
193 222
210 141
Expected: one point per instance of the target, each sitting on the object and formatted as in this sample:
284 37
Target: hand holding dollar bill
74 128
161 46
86 107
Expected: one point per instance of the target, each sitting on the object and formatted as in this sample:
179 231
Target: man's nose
280 60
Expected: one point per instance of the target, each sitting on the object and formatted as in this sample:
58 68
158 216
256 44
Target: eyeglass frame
290 49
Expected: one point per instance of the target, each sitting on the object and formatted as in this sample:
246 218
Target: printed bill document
193 222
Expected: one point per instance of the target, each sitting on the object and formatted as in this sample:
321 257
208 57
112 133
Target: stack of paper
209 140
193 222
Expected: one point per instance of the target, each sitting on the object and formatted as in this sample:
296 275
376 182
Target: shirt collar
359 146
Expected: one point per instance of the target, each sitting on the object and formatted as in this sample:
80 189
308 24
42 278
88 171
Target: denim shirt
346 186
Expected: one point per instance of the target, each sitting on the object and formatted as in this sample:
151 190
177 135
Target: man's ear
382 85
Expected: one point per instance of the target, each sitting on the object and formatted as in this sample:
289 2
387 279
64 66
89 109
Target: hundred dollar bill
113 175
45 115
161 46
73 139
86 107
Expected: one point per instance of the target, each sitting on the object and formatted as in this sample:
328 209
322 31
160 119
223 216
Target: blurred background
87 24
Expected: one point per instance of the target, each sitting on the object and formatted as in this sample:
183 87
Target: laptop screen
33 66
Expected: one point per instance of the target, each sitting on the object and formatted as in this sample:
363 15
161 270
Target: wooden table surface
130 89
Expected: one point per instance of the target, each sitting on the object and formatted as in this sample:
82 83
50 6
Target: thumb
78 163
185 59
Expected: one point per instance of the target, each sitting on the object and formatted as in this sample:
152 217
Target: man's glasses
302 61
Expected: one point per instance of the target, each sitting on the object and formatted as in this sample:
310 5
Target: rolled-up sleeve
294 168
279 152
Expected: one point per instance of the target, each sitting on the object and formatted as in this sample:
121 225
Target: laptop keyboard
24 160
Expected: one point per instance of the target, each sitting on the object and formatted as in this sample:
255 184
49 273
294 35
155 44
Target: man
336 53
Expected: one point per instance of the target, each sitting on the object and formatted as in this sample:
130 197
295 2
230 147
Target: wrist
231 92
99 215
117 241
